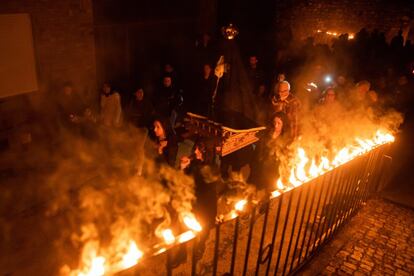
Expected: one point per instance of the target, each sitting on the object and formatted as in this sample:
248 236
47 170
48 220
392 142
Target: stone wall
63 40
63 36
306 17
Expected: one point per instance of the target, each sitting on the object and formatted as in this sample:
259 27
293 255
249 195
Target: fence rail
279 236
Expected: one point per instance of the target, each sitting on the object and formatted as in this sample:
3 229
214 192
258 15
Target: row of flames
335 34
96 263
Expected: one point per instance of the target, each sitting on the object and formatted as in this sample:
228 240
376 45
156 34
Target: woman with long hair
165 141
273 142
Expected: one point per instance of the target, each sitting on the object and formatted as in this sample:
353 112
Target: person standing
111 111
289 104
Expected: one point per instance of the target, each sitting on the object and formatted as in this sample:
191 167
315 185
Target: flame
186 236
275 193
132 256
307 168
239 206
280 185
191 222
168 236
97 267
333 33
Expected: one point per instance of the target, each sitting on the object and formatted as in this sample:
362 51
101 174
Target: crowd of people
364 73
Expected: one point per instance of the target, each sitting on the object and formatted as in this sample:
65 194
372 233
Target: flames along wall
305 17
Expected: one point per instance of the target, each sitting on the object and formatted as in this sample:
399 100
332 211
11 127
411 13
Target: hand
184 162
162 145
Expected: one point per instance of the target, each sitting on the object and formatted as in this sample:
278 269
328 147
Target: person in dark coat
140 110
272 143
207 86
164 142
199 164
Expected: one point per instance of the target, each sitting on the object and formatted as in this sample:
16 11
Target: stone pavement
379 240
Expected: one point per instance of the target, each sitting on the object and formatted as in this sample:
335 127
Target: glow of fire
333 33
239 206
97 267
313 84
275 193
168 236
191 222
132 257
307 168
186 236
280 185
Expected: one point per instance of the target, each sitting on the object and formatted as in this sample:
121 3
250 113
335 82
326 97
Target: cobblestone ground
379 240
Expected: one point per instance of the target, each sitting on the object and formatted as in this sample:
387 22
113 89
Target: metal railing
279 236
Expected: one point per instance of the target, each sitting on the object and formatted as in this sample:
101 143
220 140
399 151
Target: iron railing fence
279 236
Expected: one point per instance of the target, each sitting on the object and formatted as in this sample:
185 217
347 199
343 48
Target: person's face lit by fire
139 94
207 70
278 124
198 154
253 61
284 90
167 82
159 130
106 88
281 77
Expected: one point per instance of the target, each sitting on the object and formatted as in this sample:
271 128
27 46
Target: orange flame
191 222
239 206
307 168
280 185
168 236
132 256
186 236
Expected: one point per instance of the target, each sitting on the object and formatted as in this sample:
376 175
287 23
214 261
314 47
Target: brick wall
64 51
63 40
343 16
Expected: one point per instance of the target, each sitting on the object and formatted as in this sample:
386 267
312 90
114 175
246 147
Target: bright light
131 258
239 206
328 79
191 222
168 236
186 236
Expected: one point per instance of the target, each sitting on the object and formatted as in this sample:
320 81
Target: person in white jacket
111 110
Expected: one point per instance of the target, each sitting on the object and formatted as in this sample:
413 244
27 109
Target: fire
191 222
275 193
168 236
97 267
280 185
239 206
132 256
92 263
186 236
307 168
122 254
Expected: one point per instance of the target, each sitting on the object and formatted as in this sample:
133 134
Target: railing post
249 239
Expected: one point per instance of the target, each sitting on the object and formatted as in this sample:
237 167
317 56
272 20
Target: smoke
92 197
326 129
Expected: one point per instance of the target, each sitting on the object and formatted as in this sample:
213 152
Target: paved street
379 240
